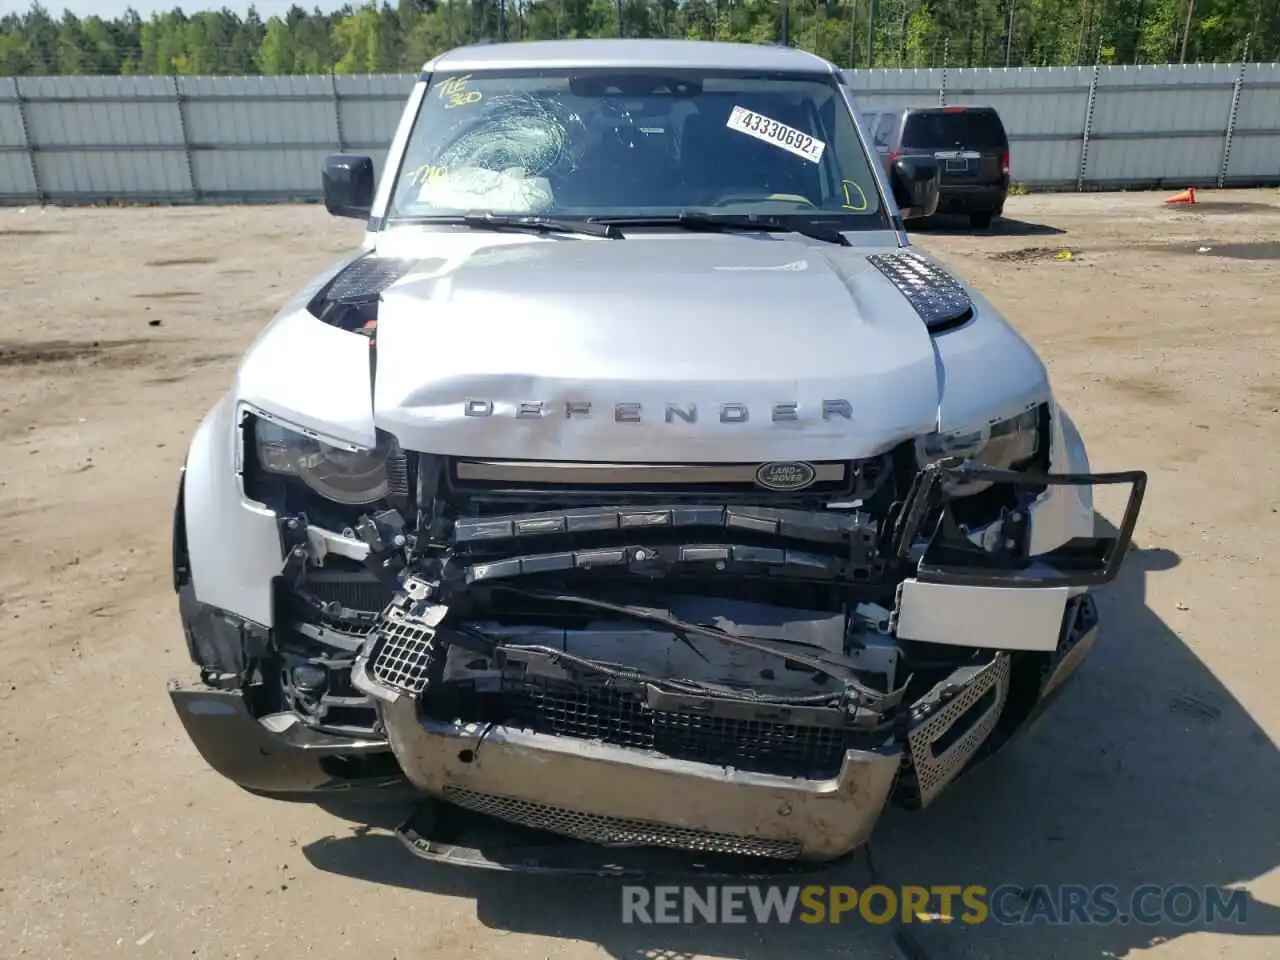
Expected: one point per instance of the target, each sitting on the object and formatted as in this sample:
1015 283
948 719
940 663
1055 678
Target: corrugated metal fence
1215 124
230 139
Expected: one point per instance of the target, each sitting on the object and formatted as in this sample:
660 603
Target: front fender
233 548
1063 513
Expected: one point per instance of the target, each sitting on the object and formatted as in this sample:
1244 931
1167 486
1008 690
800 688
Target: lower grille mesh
402 659
622 719
617 831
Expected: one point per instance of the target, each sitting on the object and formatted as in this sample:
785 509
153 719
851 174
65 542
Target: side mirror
915 186
348 185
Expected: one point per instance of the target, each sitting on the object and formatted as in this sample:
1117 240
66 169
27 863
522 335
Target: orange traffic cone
1183 196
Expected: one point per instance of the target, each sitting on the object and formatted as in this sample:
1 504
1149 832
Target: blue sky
113 8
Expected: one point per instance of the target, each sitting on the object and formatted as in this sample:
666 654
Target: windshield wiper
724 222
537 224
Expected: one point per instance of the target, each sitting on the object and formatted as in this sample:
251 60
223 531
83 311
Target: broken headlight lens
1003 445
340 474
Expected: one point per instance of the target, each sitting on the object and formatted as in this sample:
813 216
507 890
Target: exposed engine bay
685 616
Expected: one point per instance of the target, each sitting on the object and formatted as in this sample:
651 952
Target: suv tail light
1004 162
895 155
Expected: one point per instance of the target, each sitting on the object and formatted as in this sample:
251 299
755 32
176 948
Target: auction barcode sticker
778 134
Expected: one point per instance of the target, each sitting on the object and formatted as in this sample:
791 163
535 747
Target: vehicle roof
624 53
953 108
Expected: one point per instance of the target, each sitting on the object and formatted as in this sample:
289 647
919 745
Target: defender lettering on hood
633 412
547 350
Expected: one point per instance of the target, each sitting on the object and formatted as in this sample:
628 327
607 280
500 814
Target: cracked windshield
636 144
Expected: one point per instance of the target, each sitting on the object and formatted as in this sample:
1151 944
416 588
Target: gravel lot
120 327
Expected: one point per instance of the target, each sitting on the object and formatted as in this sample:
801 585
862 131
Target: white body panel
233 543
999 618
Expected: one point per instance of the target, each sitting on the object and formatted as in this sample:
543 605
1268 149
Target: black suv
970 145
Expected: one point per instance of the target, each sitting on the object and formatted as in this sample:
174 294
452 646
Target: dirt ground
119 328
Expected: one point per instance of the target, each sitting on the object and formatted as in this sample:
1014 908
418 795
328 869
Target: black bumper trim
1079 637
297 763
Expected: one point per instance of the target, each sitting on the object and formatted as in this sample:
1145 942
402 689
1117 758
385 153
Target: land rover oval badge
785 475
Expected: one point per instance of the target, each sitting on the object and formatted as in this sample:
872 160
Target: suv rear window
976 129
884 129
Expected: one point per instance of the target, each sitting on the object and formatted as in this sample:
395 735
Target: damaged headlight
1005 444
342 474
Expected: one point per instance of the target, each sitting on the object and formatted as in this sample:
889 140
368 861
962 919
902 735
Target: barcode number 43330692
778 134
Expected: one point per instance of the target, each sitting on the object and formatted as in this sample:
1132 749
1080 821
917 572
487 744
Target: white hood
647 349
579 350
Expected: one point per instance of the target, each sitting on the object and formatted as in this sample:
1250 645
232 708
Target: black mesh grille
622 718
355 592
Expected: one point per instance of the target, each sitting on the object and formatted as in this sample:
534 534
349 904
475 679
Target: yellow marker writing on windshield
454 93
854 198
425 174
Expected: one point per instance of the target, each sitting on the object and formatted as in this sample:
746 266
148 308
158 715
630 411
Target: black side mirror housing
915 183
348 185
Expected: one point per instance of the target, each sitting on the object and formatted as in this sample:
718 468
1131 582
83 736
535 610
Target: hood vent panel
349 301
937 296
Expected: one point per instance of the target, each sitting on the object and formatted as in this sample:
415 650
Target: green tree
399 35
276 54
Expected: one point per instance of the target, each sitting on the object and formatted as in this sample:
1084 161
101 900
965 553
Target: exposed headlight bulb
1002 445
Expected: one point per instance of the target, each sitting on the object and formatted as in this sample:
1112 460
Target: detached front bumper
1026 611
620 797
289 762
614 797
